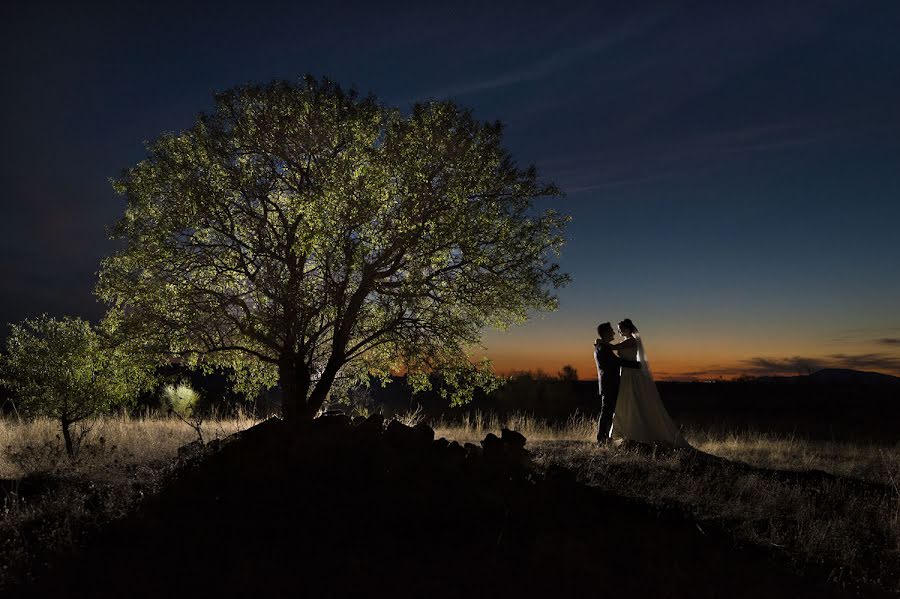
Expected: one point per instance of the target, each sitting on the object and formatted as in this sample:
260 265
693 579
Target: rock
402 436
508 451
491 444
374 420
452 456
472 450
513 438
331 424
425 432
371 428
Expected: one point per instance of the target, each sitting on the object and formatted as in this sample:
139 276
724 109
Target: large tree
301 233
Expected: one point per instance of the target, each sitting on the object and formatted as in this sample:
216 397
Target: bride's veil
642 356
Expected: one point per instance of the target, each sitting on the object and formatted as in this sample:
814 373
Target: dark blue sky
733 173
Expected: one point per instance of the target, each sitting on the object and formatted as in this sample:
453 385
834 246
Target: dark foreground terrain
357 510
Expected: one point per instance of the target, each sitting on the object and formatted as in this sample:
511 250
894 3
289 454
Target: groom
608 378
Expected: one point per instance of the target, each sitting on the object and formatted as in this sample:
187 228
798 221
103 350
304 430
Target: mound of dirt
361 509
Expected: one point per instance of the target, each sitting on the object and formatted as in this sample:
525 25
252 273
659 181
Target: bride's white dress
640 414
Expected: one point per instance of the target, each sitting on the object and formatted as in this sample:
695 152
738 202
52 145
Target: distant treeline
840 411
823 407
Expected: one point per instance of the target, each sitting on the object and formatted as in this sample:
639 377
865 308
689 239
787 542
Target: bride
640 414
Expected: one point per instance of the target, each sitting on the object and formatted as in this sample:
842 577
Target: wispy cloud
634 163
611 184
868 336
801 365
794 365
549 65
878 361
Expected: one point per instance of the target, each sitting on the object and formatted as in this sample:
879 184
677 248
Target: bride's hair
628 325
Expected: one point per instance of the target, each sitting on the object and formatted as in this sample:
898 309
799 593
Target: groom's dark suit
608 378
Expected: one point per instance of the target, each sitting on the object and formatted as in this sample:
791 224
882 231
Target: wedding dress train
640 414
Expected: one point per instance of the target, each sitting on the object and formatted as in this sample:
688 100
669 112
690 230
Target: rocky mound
358 508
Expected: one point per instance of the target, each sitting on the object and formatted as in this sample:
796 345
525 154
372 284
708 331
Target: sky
732 172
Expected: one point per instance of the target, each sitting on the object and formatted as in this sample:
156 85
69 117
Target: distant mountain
837 376
846 376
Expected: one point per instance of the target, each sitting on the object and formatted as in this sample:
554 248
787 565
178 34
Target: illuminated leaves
302 227
64 369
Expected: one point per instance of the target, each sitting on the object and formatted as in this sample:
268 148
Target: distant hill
833 376
837 376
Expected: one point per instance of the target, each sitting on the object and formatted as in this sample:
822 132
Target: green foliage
181 399
460 382
303 233
65 369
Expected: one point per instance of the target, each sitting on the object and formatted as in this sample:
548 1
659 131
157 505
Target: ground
839 532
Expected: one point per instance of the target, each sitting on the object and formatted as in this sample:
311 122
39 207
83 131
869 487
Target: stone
513 438
370 428
492 444
331 423
425 432
400 435
472 450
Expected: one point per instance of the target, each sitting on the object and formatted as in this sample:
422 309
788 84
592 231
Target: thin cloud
803 365
669 157
877 361
798 365
794 365
868 335
546 67
611 184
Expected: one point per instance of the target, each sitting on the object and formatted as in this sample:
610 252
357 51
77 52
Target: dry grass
864 460
860 459
844 527
113 443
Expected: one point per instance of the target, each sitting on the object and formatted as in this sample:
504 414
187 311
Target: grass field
832 509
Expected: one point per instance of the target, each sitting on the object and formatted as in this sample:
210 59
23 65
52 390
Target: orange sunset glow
679 355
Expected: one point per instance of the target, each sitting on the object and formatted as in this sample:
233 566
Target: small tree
568 373
183 401
66 370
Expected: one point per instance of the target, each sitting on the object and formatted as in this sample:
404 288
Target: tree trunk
323 386
67 436
294 381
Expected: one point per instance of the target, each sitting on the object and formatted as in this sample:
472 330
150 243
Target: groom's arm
628 363
605 355
622 361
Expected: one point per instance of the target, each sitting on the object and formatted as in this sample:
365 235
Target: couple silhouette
631 407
